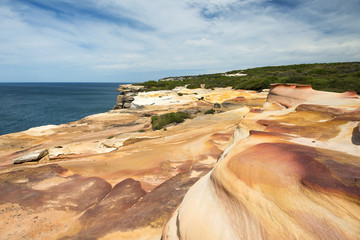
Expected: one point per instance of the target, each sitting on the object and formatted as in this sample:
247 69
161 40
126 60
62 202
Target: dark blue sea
27 105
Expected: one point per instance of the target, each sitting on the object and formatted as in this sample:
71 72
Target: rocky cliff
292 171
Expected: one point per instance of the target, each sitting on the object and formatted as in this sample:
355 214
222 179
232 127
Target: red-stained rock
73 193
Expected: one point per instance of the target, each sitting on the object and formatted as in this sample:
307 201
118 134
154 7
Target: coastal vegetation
210 111
160 121
334 77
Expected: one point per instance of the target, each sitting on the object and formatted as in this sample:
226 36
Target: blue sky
139 40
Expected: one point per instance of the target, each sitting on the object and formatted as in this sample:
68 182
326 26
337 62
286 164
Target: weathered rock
126 105
217 105
355 138
124 100
31 157
118 106
287 174
281 173
127 88
129 99
120 99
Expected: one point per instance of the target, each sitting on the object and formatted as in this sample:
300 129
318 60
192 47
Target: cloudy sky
139 40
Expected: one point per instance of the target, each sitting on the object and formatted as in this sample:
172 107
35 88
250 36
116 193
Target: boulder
355 139
31 157
127 105
129 99
217 105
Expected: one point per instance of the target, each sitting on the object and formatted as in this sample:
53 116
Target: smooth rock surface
109 176
289 173
32 156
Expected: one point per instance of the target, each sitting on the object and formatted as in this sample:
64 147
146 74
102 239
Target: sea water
27 105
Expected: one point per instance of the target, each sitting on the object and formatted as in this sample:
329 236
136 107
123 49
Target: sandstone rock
126 88
279 173
126 105
31 157
118 106
291 95
129 99
287 174
355 138
120 99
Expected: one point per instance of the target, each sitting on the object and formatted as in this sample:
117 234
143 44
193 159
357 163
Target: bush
158 122
210 111
180 94
337 77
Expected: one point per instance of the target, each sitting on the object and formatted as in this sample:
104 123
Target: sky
140 40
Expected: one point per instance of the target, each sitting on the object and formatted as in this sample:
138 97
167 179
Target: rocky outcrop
123 101
111 176
129 88
126 96
289 95
31 157
289 173
254 170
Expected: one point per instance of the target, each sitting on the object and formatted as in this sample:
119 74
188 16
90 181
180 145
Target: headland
281 163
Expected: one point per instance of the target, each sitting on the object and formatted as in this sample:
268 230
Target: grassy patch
158 122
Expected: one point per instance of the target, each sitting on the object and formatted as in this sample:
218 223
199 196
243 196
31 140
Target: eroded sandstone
290 173
287 168
109 175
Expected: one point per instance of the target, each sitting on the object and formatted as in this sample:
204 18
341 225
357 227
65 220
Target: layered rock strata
287 168
292 171
109 176
126 96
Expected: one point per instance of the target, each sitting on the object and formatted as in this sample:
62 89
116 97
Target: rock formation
289 173
126 96
265 166
32 156
109 175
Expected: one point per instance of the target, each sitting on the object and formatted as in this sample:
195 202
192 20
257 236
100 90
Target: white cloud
165 35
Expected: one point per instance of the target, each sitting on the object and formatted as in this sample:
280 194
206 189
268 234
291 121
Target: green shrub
210 111
158 122
336 77
180 94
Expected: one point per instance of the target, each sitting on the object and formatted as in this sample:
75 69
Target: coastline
136 178
26 105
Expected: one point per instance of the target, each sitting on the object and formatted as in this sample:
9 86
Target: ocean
27 105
